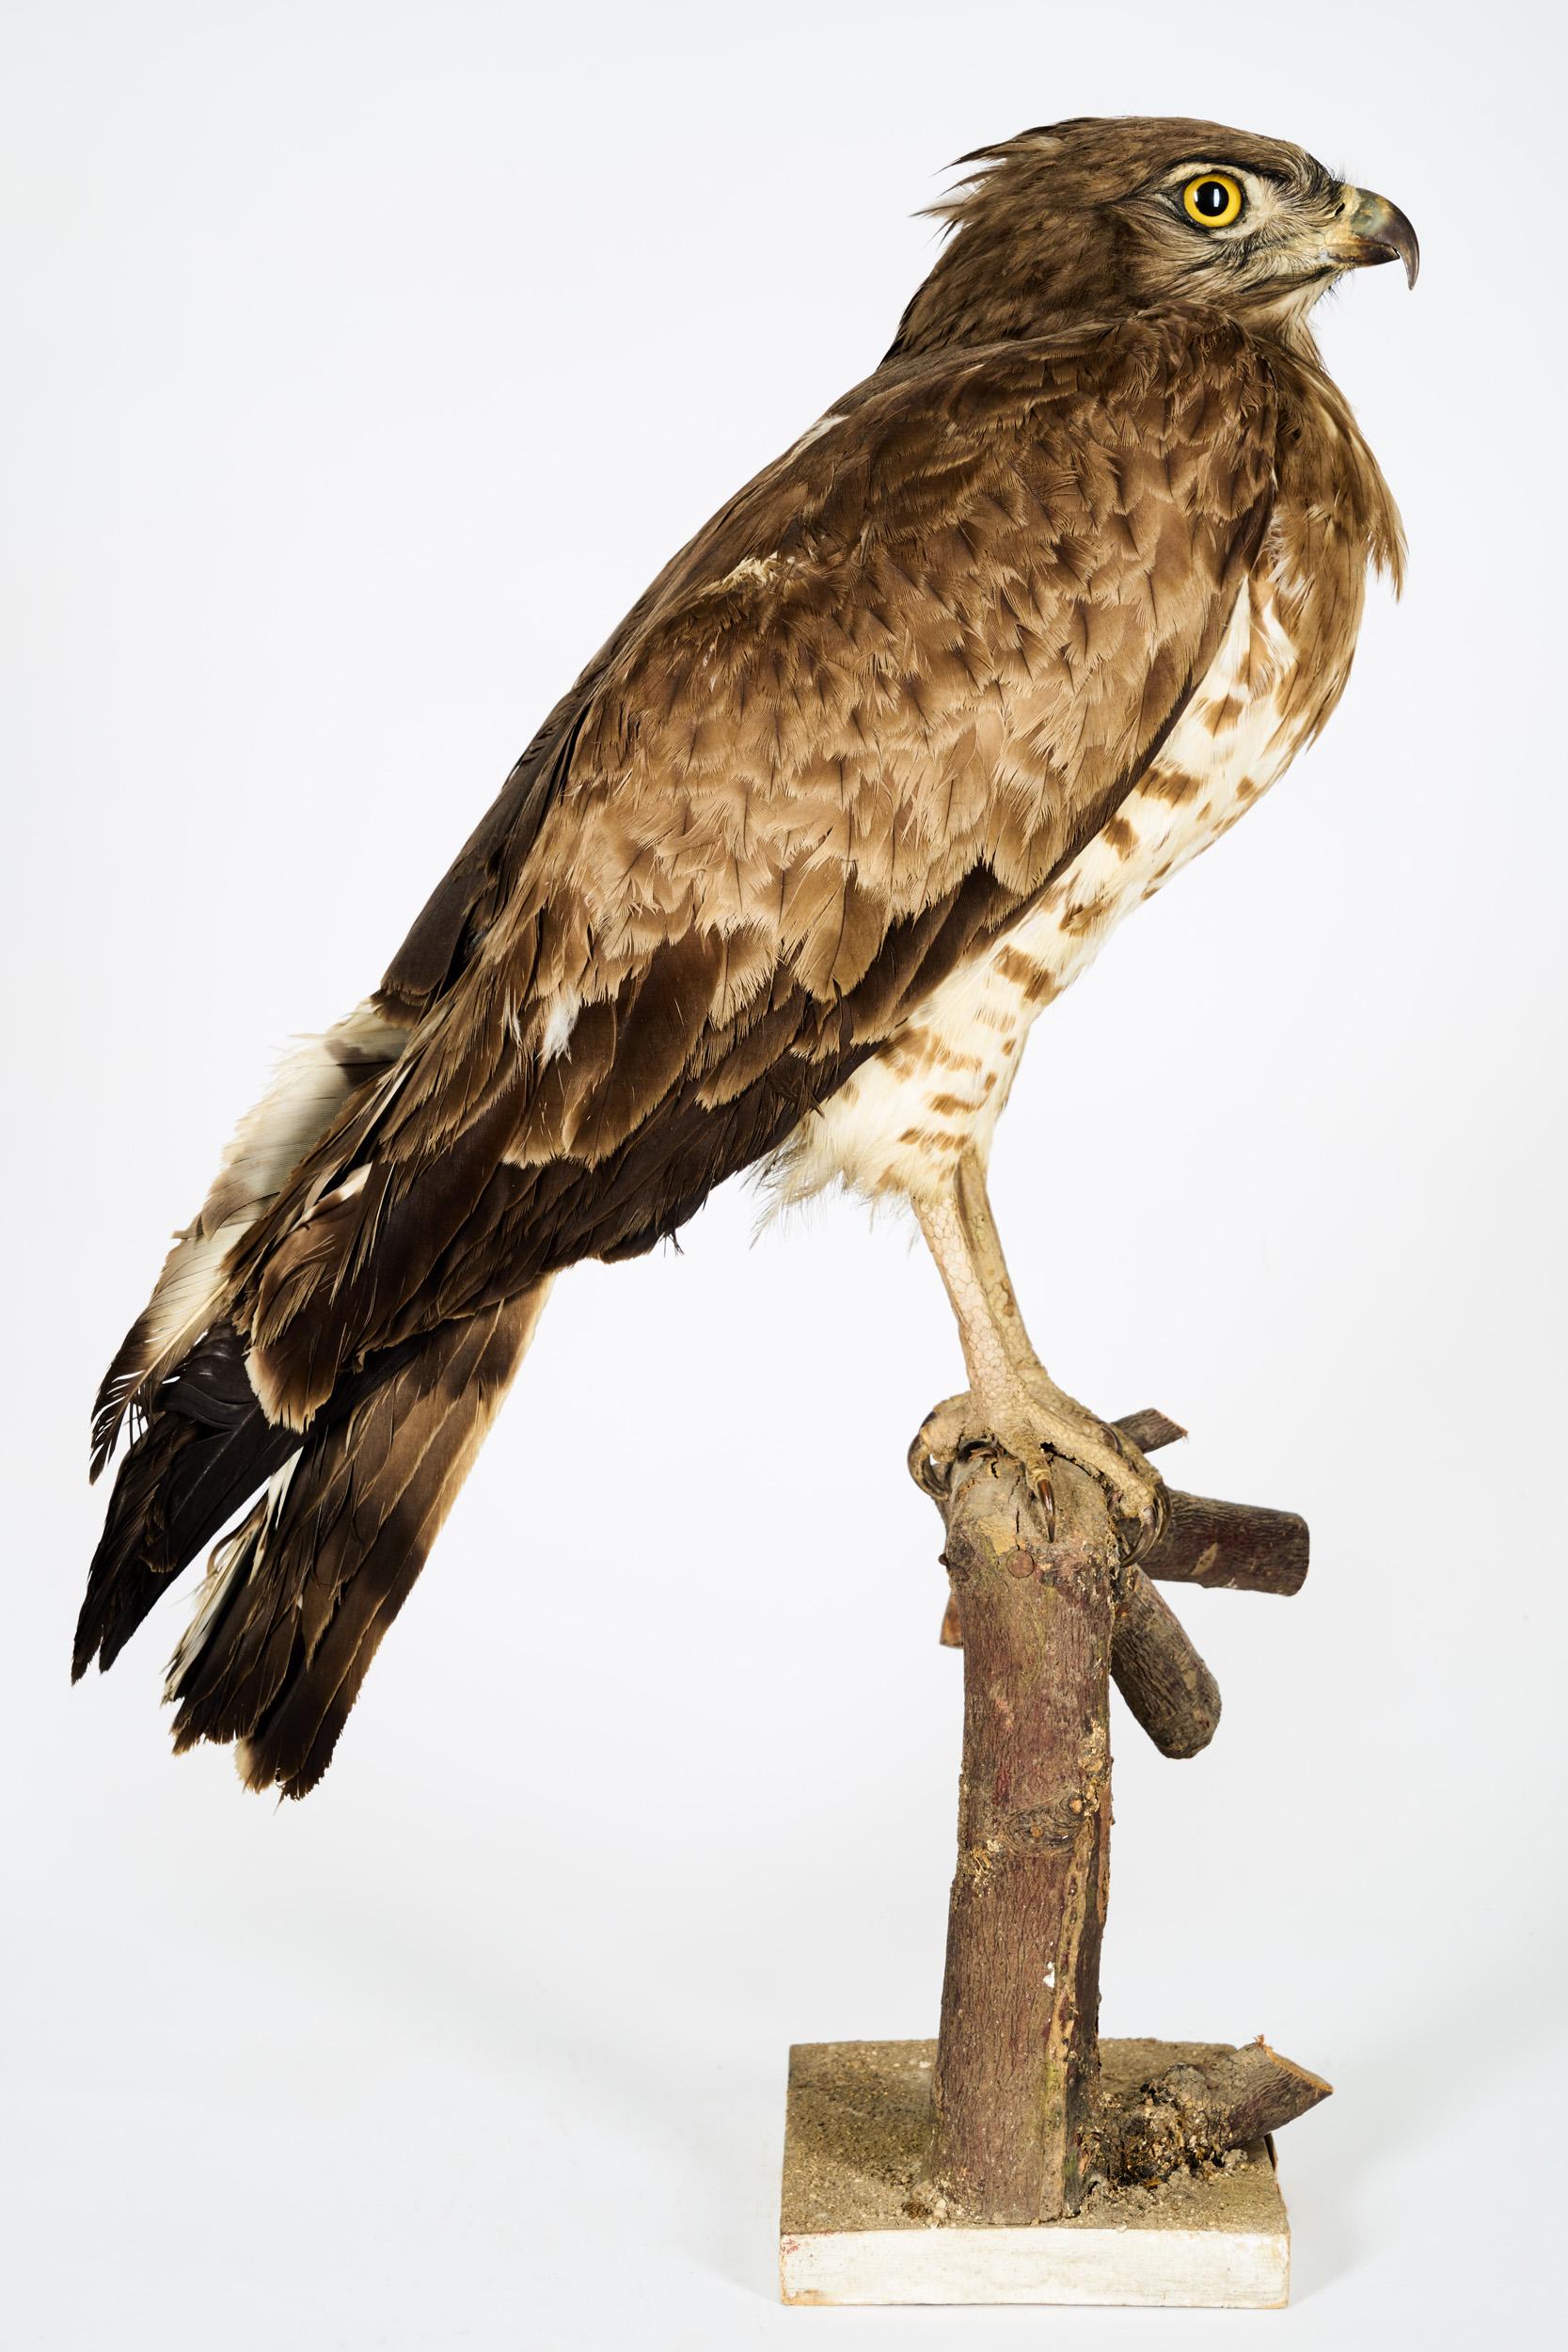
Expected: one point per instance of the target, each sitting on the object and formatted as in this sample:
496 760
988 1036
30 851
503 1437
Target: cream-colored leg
1011 1396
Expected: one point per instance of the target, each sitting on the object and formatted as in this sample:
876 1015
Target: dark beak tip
1408 252
1386 233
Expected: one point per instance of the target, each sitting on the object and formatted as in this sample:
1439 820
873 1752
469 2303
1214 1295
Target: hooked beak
1370 230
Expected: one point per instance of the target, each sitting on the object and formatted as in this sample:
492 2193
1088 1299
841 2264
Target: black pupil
1212 197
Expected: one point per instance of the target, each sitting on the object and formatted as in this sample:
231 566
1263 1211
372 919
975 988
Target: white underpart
939 1086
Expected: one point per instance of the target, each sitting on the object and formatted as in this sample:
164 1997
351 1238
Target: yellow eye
1214 201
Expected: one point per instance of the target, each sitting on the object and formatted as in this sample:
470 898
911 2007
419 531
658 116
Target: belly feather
938 1086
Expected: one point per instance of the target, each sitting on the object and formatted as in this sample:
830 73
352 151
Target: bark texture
1016 2080
1165 1683
1047 1611
1238 1546
1194 2113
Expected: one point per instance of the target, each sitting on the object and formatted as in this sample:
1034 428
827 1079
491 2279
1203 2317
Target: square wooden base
855 2225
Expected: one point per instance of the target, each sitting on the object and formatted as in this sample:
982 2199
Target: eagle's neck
986 290
1328 473
992 285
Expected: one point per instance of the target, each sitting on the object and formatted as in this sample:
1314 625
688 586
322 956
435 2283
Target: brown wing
854 730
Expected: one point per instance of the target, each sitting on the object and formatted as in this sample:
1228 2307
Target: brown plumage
858 784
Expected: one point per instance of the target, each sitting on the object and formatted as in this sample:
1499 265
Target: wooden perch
1238 1546
1165 1683
1241 1546
1196 2113
1149 1429
1015 2086
1046 1610
1168 1689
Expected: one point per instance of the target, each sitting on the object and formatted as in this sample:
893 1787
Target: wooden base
858 2224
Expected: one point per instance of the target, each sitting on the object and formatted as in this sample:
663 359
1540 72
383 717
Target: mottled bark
1149 1429
1016 2076
1238 1546
1046 1612
1168 1689
1194 2113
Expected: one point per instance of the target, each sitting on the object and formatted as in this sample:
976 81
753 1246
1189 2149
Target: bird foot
1030 1416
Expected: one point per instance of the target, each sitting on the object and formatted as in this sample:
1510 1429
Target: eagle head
1099 218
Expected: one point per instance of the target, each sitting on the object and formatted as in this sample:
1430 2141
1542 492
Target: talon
936 1446
1141 1505
1040 1416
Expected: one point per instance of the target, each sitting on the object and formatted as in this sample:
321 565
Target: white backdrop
364 362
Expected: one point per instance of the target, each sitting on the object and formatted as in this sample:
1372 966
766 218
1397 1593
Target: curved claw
1046 1420
935 1445
1140 1500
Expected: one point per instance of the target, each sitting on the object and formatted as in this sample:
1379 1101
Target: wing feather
854 730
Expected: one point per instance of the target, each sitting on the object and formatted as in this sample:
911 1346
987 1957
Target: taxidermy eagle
1029 619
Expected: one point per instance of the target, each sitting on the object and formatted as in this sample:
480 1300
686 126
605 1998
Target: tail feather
311 1088
297 1599
298 1594
204 1447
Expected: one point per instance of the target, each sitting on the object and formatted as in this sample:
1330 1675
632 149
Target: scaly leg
1011 1395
